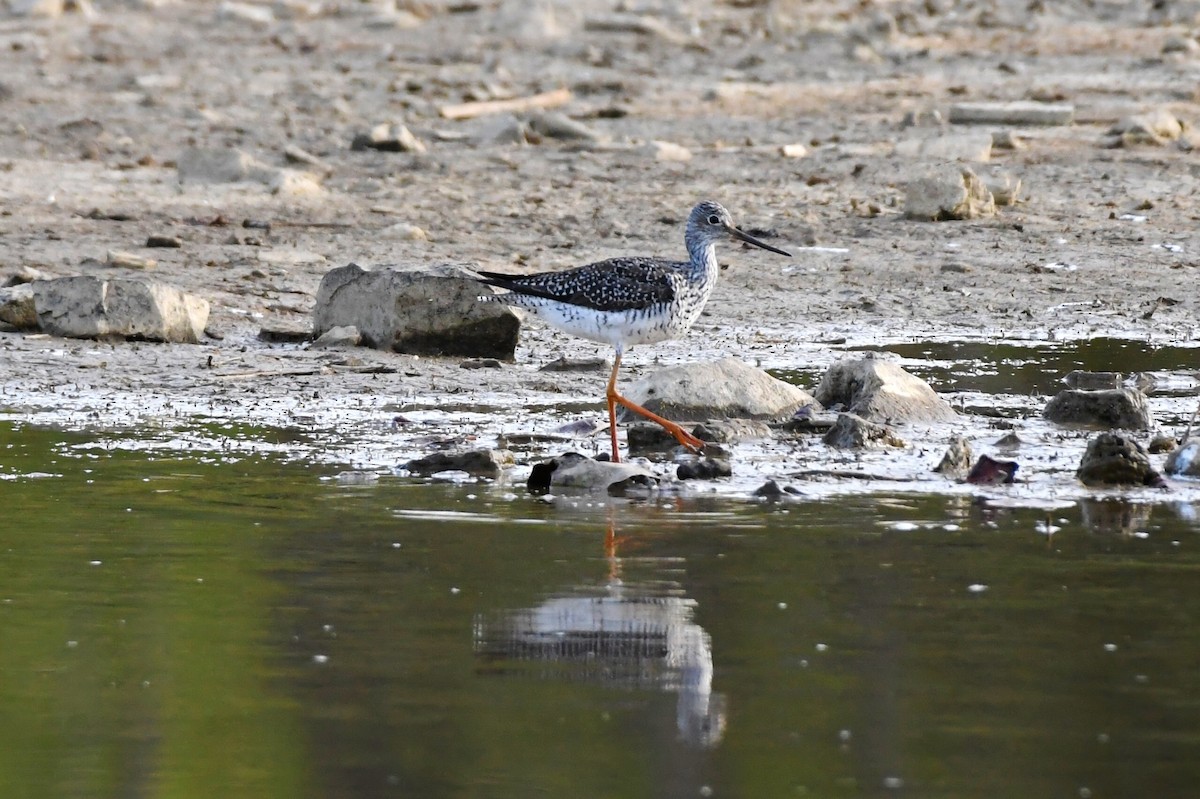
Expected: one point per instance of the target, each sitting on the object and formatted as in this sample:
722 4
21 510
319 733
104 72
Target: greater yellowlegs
633 300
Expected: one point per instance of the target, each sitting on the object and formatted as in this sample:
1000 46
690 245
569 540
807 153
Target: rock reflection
1110 515
623 634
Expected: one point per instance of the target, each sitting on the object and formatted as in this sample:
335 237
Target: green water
204 628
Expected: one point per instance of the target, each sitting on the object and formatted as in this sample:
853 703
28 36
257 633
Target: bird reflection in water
623 634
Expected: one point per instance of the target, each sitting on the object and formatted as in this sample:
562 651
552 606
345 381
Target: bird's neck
703 260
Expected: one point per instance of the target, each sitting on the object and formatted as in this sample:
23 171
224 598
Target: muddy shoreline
1102 245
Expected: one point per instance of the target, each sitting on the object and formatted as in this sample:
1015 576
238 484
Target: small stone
408 232
168 242
128 260
948 193
388 137
1117 459
923 118
293 183
793 150
337 338
25 274
957 461
1005 188
667 151
565 364
1160 443
705 469
1124 408
503 129
854 432
481 363
716 390
18 307
555 125
1007 140
245 12
297 155
1009 442
1021 113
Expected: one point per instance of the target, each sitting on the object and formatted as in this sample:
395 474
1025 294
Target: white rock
793 150
717 390
295 183
245 12
88 307
667 151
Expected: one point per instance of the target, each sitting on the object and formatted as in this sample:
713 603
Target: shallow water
233 624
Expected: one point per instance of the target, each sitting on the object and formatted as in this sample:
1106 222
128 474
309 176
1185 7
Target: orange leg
682 436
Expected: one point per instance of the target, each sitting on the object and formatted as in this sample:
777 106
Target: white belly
615 328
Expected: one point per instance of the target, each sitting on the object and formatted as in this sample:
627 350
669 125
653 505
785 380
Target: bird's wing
618 284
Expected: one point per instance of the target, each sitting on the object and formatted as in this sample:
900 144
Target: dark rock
706 469
1123 408
1184 461
1160 443
852 432
393 138
1008 442
810 419
565 364
477 462
1116 459
725 389
988 471
421 310
481 363
769 490
957 461
883 392
164 241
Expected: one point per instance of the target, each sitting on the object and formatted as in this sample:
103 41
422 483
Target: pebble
793 150
408 232
1007 140
1020 112
481 363
388 137
1155 128
245 12
286 332
667 151
129 261
339 337
1005 188
555 125
990 471
164 241
503 129
565 364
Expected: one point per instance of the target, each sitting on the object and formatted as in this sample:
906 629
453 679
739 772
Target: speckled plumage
631 300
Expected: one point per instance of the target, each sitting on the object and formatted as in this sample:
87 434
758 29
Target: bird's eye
713 219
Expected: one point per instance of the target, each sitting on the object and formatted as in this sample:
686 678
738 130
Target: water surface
238 625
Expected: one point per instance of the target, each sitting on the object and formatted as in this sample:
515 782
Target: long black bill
746 237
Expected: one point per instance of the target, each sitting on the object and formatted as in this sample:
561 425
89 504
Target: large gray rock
421 310
1115 459
1123 408
477 462
882 392
89 307
725 389
573 472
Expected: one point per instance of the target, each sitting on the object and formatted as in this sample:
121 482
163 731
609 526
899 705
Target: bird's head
709 223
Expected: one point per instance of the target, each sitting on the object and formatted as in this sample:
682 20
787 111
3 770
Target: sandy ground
98 107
